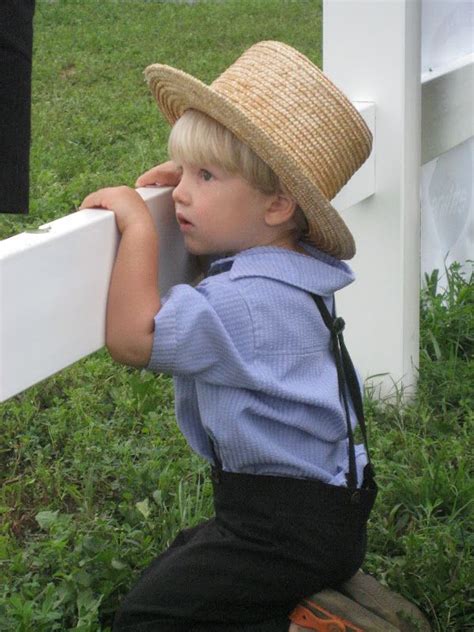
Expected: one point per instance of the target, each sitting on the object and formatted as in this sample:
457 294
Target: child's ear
281 210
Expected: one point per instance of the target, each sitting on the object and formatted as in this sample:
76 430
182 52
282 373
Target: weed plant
421 533
95 477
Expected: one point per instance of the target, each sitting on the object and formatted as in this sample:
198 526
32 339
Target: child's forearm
133 299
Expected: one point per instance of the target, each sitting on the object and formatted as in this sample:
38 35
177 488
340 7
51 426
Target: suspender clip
338 326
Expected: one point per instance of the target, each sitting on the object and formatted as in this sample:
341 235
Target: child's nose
180 194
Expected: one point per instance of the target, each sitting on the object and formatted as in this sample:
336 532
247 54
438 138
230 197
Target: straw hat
294 118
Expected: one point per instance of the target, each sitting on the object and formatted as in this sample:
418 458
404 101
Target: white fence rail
54 284
447 107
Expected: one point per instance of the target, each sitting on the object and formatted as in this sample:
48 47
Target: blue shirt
253 367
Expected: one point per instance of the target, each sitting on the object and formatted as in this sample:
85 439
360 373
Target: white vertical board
54 284
371 50
447 196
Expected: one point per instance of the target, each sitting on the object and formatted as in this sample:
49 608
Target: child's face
220 213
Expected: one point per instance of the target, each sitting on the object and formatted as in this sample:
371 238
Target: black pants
16 40
273 541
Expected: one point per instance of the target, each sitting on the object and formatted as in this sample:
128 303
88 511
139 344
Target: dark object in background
16 42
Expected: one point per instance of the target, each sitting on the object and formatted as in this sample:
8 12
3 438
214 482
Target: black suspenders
347 381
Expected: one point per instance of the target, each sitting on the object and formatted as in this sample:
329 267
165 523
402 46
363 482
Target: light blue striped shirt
253 367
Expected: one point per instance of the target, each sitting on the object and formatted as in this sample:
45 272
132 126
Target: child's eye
205 175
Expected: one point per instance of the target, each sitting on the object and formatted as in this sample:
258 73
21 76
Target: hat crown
292 102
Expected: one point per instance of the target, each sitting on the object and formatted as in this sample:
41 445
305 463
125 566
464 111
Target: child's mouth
182 221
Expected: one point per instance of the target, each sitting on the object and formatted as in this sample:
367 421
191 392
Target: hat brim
176 91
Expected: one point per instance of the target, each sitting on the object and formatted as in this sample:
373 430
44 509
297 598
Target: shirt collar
318 273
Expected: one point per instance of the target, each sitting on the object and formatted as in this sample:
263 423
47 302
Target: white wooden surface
371 50
447 179
447 102
54 284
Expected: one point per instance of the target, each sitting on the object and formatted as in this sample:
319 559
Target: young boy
263 385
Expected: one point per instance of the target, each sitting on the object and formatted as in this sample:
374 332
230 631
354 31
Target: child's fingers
152 176
165 174
88 201
93 200
105 198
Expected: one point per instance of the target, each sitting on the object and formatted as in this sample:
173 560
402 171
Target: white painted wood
447 180
447 204
447 107
447 28
54 285
371 50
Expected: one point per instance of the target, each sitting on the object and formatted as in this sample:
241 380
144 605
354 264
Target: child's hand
128 206
166 174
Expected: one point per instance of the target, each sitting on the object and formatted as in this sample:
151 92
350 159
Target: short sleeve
204 332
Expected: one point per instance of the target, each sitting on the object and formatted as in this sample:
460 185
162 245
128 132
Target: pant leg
280 624
16 40
209 579
274 540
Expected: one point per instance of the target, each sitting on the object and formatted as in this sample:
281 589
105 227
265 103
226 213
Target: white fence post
371 50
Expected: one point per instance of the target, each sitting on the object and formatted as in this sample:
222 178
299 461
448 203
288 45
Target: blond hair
198 139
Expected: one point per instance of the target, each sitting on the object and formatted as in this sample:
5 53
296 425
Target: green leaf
143 507
436 347
46 519
118 565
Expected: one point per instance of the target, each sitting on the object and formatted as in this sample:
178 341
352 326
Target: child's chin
201 249
195 250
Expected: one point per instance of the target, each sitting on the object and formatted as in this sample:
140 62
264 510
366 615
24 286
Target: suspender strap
348 383
215 456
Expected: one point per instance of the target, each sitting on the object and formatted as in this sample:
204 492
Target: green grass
97 481
422 540
96 478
